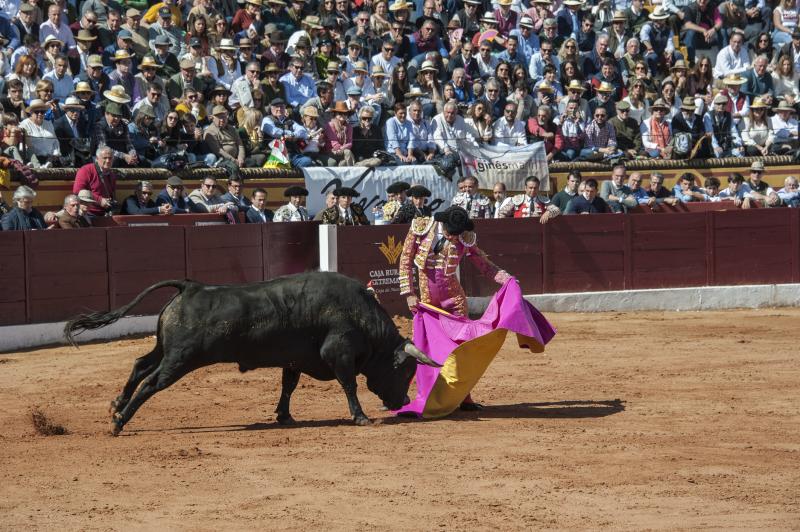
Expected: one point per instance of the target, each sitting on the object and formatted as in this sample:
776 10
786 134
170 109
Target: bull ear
421 357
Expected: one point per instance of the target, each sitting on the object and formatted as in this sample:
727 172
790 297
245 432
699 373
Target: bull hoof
362 421
113 407
286 419
116 424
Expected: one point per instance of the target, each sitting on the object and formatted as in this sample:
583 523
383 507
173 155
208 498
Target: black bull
322 324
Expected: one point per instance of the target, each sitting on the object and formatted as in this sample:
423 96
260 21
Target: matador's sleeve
407 263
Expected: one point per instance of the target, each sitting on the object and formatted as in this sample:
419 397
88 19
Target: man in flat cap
186 78
345 212
294 211
415 208
164 26
173 196
222 138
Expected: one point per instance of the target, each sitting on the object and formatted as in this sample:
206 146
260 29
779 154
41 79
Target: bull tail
96 320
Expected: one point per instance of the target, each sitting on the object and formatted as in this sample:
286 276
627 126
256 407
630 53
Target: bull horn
421 357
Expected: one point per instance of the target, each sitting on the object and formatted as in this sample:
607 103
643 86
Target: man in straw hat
657 37
73 132
294 211
738 102
784 127
656 131
569 19
122 73
726 141
603 100
619 34
688 124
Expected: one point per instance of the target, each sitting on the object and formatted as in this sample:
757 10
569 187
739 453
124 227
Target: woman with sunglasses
40 136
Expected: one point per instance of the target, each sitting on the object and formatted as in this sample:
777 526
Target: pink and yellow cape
465 347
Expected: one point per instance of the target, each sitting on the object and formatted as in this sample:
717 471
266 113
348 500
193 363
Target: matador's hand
502 276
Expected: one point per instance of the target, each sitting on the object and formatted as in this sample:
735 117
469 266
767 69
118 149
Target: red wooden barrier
515 246
141 256
584 253
12 272
158 220
753 247
225 254
373 254
290 248
66 273
668 254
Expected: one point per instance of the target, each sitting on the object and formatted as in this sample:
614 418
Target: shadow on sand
554 410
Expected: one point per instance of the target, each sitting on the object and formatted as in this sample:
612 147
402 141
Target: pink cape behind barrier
465 347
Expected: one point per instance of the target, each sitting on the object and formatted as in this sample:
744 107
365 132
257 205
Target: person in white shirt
501 198
40 136
790 193
508 131
448 129
242 89
294 210
53 26
386 58
62 83
733 59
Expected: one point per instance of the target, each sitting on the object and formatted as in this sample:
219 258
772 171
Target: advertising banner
505 164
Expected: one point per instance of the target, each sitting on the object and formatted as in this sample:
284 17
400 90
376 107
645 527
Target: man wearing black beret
416 208
345 212
294 210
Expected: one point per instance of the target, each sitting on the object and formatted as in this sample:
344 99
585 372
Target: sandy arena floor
629 421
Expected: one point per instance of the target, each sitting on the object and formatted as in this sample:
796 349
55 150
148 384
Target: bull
322 324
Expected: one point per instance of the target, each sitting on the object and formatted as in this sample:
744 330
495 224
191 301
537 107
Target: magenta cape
465 348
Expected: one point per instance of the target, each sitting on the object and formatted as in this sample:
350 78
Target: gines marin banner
506 164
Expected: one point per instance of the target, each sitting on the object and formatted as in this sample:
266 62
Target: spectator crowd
353 82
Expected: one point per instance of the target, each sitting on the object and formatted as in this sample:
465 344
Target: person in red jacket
98 177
